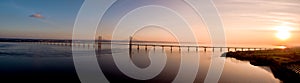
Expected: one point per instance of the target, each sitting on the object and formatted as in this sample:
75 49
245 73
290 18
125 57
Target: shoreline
284 63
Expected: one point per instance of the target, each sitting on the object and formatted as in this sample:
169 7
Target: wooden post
220 49
197 48
146 47
213 49
188 48
234 49
228 49
204 49
242 49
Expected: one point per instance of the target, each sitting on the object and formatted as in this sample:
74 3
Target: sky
251 22
17 19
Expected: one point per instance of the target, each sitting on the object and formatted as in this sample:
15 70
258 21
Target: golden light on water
281 47
283 32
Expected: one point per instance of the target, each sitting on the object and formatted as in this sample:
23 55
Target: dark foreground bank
284 63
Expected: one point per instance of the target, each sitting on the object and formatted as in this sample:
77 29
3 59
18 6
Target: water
38 62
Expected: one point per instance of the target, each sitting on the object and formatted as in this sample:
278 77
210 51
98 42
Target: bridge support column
99 42
130 44
179 48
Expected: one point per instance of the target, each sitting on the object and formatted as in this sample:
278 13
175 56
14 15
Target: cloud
37 15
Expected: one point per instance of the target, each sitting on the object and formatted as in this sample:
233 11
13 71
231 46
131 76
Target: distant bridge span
147 44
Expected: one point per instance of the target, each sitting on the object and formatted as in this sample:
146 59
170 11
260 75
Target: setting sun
283 32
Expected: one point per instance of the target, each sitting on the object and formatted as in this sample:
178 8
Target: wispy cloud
37 15
266 13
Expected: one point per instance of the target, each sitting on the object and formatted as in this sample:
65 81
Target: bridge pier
146 47
130 44
179 48
99 42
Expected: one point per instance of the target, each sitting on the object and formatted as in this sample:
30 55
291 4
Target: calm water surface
39 62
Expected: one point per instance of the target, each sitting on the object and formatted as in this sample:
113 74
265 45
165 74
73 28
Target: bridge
138 45
152 44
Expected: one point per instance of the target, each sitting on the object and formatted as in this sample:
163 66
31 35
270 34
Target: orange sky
246 22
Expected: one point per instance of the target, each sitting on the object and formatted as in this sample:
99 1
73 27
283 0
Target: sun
283 35
283 32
